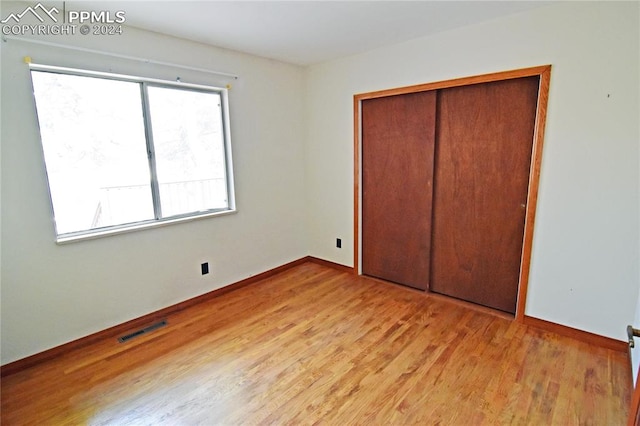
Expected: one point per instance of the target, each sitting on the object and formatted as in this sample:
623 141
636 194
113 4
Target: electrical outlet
204 268
339 242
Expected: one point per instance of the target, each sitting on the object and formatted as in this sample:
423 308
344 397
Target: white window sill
93 234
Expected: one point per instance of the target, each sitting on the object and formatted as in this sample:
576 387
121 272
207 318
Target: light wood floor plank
314 345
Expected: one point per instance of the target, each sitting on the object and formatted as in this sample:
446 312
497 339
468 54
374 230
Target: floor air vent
142 331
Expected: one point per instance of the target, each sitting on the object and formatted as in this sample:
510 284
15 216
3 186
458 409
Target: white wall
584 270
53 294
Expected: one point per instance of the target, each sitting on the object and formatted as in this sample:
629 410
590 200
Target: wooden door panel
398 134
483 156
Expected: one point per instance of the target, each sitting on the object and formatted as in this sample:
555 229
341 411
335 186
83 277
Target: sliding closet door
397 174
483 156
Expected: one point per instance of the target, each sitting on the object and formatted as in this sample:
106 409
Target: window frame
144 83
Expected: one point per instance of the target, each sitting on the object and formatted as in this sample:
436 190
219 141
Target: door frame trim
544 72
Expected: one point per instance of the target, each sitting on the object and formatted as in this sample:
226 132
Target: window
122 152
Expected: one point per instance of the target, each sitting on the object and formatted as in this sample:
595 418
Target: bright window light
121 153
189 150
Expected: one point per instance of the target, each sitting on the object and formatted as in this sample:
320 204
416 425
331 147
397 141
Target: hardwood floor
314 345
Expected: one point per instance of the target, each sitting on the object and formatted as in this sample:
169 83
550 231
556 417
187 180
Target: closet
446 179
398 136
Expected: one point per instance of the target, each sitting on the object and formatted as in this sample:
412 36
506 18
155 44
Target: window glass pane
188 139
94 144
